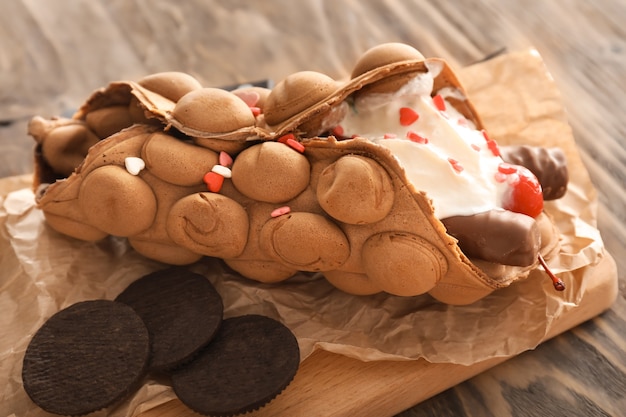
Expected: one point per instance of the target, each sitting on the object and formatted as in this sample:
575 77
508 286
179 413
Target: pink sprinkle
255 111
462 122
285 138
390 136
408 116
440 103
455 164
507 168
281 211
294 144
251 98
500 177
414 137
225 159
213 181
338 131
475 147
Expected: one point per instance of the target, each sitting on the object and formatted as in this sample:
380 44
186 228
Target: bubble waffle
268 181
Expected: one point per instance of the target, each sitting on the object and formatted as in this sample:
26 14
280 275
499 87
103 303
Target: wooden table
53 54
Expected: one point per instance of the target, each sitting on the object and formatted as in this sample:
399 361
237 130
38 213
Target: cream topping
440 150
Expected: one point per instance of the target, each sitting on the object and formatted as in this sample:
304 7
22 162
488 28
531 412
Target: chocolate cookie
251 360
86 357
182 311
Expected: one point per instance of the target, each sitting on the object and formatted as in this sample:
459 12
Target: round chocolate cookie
251 360
86 357
182 311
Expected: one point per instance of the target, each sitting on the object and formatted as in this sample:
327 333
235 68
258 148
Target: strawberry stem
559 285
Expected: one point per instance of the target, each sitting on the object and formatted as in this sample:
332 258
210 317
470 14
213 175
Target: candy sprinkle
507 168
255 111
390 136
222 170
491 144
280 211
294 144
134 165
285 138
408 116
213 181
225 159
455 164
338 131
251 98
415 137
439 102
500 177
493 147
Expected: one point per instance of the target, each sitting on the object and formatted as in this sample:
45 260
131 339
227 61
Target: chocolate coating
548 164
498 236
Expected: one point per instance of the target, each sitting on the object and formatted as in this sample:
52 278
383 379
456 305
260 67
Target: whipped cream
441 151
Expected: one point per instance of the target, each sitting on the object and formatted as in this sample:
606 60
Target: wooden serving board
328 384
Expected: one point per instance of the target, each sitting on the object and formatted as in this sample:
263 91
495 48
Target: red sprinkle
507 168
390 136
255 111
285 138
493 147
408 116
213 181
338 131
491 144
439 102
294 144
414 137
225 159
455 164
475 147
280 211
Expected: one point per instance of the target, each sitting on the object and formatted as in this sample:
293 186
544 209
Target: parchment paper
43 271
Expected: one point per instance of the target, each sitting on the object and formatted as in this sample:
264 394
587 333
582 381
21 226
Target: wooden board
329 384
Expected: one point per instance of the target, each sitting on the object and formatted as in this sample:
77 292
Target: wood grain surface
54 54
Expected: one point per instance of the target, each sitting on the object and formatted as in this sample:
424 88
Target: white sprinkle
222 170
134 165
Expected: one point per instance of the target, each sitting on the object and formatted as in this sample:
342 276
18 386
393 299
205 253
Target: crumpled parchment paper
42 271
